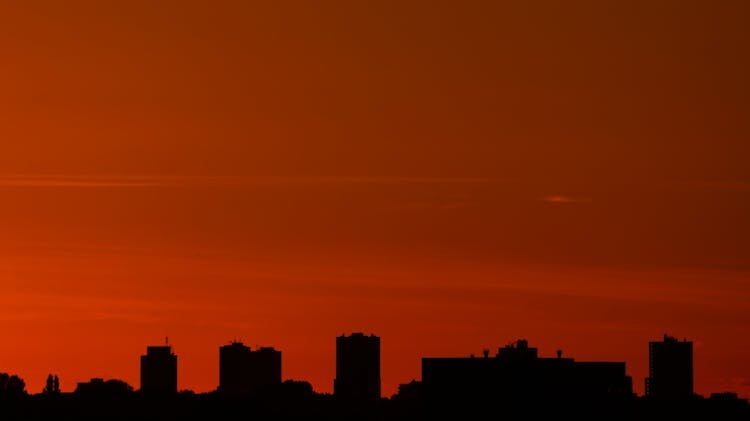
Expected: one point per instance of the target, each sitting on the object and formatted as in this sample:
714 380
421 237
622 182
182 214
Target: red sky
448 175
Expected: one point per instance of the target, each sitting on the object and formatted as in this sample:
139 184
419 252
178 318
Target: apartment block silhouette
670 369
516 373
357 368
243 371
159 370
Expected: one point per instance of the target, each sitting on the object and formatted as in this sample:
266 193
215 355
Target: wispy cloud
736 186
559 199
30 307
135 181
740 385
79 181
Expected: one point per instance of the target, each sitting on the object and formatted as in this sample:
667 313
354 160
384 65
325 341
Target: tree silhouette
98 387
52 386
12 385
49 386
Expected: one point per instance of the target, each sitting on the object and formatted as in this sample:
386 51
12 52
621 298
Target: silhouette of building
243 371
516 373
99 388
670 369
159 370
409 394
357 369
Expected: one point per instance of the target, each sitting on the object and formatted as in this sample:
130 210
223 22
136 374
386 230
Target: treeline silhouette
513 383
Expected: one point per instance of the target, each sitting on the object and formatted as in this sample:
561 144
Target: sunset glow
450 176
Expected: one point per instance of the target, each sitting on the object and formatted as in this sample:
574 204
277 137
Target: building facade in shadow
517 374
357 369
243 371
670 369
159 371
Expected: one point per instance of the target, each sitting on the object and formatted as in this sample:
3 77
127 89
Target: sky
450 176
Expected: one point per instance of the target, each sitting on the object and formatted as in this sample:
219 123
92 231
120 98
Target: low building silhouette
517 374
670 369
243 371
159 370
409 398
357 369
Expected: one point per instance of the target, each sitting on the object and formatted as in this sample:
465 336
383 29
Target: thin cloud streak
77 181
145 181
733 186
559 199
97 307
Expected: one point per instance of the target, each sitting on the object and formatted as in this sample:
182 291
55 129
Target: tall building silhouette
159 370
670 369
243 371
357 368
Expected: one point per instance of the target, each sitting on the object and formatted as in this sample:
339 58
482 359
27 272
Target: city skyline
515 380
260 371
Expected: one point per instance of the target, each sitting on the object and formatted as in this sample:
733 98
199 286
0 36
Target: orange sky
448 175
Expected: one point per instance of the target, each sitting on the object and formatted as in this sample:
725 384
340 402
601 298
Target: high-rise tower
357 369
159 370
670 369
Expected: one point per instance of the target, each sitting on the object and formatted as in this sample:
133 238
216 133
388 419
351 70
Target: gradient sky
450 176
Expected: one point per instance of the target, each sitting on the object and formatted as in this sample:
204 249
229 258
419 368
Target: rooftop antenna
166 340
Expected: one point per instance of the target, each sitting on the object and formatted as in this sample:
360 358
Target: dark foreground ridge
514 382
297 401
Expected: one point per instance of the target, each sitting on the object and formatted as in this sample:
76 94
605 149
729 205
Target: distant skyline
449 175
244 370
